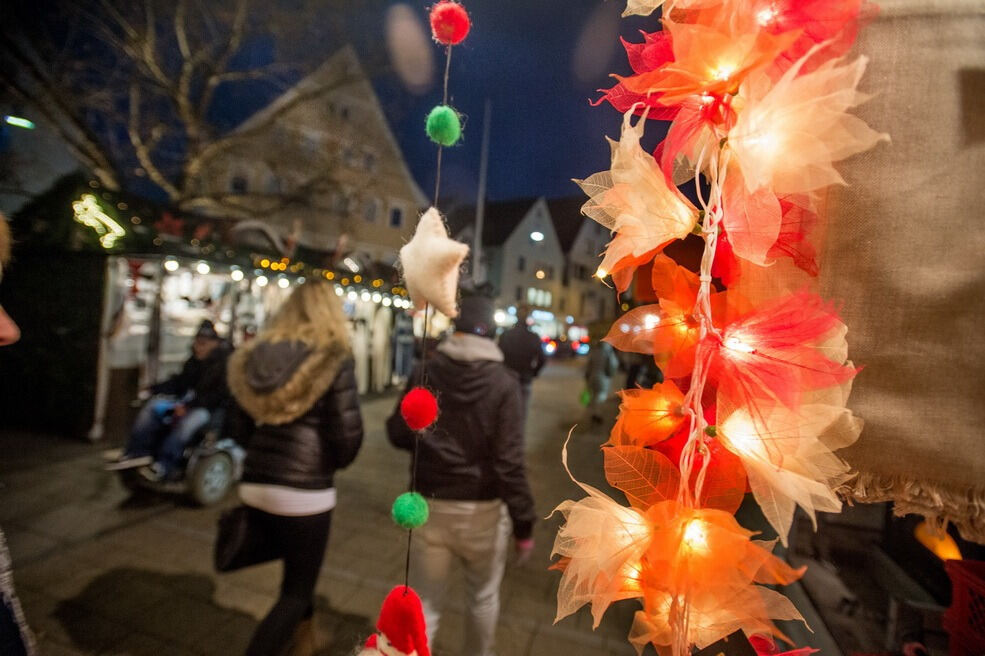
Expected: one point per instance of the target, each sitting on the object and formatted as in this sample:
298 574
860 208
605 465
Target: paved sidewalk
101 573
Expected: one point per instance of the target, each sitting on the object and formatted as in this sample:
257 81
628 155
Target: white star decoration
430 262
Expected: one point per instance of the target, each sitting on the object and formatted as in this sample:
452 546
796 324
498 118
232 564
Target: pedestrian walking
470 466
602 366
523 353
15 638
297 382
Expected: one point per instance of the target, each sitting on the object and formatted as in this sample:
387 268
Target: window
562 304
521 263
340 203
396 217
371 209
519 294
238 184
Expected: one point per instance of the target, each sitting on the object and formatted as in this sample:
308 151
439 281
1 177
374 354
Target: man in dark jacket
470 466
182 405
523 353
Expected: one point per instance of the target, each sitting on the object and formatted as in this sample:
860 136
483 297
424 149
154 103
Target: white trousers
475 534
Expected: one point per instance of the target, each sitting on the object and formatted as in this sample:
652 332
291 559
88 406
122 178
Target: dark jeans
302 541
153 436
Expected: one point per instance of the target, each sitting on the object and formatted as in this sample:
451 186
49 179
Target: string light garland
430 263
758 95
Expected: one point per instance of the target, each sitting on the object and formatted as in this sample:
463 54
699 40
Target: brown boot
303 640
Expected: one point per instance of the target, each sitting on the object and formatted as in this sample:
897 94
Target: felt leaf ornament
652 415
647 7
431 262
708 61
725 480
644 476
601 544
700 572
654 52
778 352
788 457
634 200
788 135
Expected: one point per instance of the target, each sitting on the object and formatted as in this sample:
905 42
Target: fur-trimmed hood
277 382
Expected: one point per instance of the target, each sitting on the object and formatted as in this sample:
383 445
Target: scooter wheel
211 479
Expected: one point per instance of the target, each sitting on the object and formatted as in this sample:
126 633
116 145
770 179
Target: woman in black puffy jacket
297 382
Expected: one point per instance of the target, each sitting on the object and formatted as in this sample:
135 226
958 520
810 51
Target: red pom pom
419 408
449 23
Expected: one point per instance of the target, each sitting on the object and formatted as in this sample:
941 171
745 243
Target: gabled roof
344 73
501 219
568 219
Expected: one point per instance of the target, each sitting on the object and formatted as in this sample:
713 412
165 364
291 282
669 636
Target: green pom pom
444 126
410 510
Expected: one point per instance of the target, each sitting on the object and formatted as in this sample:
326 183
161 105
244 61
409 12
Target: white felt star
431 262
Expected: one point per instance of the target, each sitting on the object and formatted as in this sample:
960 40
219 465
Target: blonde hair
312 314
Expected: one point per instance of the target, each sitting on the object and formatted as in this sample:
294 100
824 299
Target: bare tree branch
141 149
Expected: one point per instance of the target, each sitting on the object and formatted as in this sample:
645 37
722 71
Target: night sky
538 63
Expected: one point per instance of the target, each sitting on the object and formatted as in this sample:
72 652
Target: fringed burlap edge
938 503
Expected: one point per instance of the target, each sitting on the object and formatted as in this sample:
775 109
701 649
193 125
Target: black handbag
239 543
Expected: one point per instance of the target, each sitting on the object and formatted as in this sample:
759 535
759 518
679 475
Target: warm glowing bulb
203 268
695 537
236 275
766 16
740 435
723 72
601 273
283 283
736 344
171 265
540 274
262 281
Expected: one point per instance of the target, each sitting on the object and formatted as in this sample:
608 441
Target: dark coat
474 451
305 410
522 352
205 378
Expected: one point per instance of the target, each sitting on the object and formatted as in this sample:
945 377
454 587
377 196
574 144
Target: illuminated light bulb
537 235
740 434
766 16
387 302
540 274
601 273
352 295
262 281
265 263
499 316
695 538
377 297
723 72
338 291
283 283
171 265
707 99
365 296
236 275
736 344
203 268
651 321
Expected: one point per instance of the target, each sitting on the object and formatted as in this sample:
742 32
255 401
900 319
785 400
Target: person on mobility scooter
180 429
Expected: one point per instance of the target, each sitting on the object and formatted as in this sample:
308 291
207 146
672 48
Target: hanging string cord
444 101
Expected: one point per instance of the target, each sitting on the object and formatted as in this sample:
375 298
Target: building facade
321 164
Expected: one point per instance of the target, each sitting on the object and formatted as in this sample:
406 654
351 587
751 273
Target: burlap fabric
905 250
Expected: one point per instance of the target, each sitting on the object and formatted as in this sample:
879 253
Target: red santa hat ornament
400 629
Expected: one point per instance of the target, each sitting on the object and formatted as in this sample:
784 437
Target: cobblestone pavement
99 572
